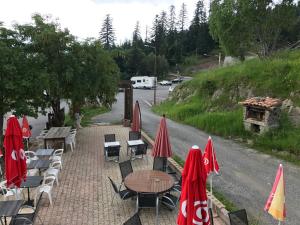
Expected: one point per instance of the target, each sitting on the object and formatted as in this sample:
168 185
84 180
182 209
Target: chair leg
50 198
40 219
112 200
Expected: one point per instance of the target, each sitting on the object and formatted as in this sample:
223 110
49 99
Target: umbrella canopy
193 200
15 159
137 119
162 147
25 128
276 202
209 157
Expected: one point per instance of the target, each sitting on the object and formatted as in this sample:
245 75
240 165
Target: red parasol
15 159
137 120
193 200
162 147
25 128
209 157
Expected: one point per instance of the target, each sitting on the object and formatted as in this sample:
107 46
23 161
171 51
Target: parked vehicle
177 80
165 82
143 82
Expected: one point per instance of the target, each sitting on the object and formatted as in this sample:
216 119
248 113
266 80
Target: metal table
39 164
44 152
133 143
31 182
149 181
10 208
57 134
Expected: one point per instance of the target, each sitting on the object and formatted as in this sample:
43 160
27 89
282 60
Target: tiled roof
262 102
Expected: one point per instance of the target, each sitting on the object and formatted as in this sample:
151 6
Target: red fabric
193 200
136 120
162 146
209 157
25 128
15 159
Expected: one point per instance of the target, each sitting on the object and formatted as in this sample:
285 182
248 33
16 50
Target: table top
58 132
149 181
32 181
44 152
135 142
110 144
10 208
39 164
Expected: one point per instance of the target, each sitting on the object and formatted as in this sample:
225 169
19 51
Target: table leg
5 222
157 201
28 194
137 203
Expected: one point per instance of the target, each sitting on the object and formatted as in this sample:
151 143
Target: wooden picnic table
57 134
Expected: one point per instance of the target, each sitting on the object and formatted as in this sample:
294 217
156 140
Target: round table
149 181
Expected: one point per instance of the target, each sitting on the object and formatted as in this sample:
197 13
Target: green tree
107 33
22 79
52 46
136 36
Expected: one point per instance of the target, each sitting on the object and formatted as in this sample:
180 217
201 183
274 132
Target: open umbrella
276 202
162 146
137 119
210 162
15 159
193 199
26 130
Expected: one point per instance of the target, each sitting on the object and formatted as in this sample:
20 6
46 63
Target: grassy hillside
210 101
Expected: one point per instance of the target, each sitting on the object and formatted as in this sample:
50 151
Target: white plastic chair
47 186
54 170
57 155
7 192
70 142
30 155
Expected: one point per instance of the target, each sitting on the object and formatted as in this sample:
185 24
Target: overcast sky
84 17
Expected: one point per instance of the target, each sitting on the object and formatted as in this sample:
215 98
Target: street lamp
155 74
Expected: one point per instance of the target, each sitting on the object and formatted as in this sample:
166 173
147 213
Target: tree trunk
1 130
59 114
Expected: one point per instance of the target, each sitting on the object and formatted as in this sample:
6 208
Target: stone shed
261 114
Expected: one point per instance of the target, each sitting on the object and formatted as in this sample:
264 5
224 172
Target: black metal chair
238 217
112 151
170 200
160 163
27 218
109 137
177 186
124 194
147 200
125 169
134 220
139 150
133 135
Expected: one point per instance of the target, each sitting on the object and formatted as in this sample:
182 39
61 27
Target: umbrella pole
279 222
211 191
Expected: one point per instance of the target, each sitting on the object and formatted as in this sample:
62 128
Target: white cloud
84 17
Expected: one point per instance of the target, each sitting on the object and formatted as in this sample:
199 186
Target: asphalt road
246 176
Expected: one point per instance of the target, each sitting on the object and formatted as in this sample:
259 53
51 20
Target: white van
143 82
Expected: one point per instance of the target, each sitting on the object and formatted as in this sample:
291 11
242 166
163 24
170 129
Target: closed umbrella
137 119
15 159
162 146
276 202
210 162
193 199
26 132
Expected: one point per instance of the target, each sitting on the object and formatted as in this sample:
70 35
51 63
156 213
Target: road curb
218 206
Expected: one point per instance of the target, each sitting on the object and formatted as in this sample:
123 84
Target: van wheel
145 87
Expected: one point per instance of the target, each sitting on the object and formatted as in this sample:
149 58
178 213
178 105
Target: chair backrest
29 154
48 180
134 220
56 165
141 149
146 200
59 152
238 217
160 163
113 151
125 168
134 135
113 185
109 137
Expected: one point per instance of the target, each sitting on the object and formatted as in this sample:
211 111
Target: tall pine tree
107 33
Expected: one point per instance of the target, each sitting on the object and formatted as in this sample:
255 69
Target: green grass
88 112
210 101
